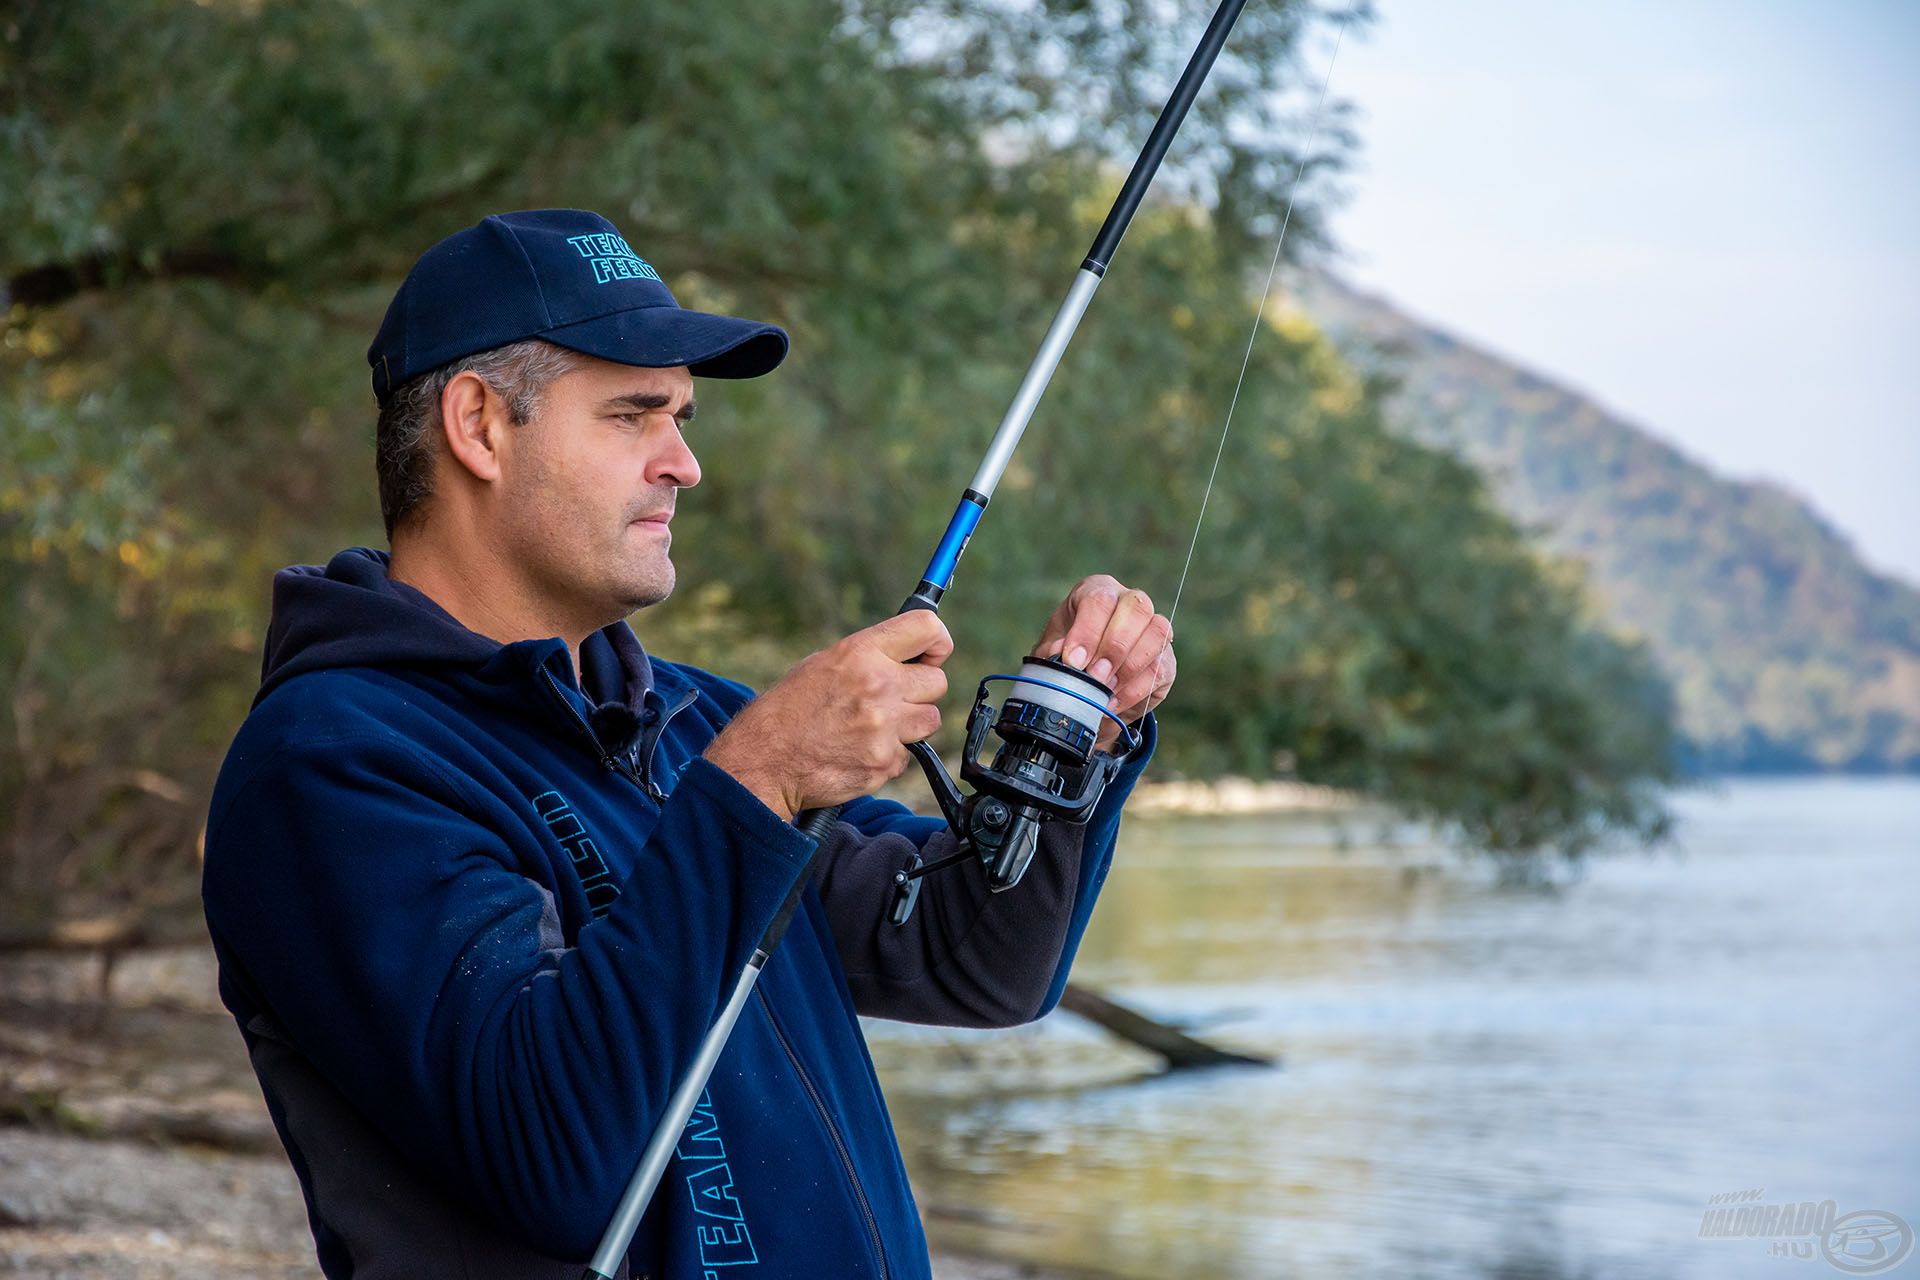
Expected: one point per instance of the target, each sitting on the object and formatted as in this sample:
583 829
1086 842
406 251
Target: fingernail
1078 658
1101 670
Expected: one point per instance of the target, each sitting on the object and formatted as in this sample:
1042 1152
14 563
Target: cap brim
664 337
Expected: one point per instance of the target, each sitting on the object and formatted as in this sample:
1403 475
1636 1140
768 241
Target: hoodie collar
351 614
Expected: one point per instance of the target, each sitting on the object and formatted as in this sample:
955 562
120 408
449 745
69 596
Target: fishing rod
1048 722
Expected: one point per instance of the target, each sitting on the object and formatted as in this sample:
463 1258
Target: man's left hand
1112 633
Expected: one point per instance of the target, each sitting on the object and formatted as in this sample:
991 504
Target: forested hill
1785 651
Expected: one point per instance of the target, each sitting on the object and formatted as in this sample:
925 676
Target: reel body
1045 769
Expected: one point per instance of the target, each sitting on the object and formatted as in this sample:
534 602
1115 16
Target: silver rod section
618 1237
1025 400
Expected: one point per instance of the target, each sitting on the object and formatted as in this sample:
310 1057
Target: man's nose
675 463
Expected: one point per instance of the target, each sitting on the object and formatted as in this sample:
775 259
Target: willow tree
204 208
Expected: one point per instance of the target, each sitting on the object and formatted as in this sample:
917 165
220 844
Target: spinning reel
1045 768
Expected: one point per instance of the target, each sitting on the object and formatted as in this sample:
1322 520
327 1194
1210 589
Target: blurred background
1542 785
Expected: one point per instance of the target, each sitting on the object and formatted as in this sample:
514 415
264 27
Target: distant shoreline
1226 796
1187 797
1231 795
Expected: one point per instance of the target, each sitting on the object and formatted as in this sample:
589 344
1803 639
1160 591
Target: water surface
1477 1080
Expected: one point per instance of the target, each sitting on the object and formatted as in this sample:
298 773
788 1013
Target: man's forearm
967 956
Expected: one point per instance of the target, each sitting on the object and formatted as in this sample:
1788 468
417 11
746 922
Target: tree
206 207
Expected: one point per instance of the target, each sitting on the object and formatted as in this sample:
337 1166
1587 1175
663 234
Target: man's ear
474 421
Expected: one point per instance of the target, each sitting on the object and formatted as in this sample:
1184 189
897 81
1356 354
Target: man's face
588 486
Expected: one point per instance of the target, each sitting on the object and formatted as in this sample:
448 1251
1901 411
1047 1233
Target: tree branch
55 282
1179 1049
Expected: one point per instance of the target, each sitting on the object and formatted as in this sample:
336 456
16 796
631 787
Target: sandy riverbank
133 1141
76 1208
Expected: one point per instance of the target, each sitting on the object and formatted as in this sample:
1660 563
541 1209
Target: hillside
1784 649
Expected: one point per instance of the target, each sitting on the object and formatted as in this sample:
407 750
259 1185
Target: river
1477 1080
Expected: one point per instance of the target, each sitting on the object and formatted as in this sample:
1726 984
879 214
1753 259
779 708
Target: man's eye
639 418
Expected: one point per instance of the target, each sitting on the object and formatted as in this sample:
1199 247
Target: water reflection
1479 1081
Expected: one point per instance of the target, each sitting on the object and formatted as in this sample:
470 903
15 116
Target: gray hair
409 426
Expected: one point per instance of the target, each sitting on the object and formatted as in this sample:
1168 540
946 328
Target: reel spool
1044 769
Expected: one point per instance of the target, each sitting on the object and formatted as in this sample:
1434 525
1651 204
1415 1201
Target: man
480 873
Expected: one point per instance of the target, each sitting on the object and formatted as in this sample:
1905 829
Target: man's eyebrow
647 402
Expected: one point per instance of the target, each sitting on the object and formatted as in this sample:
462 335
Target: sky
1704 214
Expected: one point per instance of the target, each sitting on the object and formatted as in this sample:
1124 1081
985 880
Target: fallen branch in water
1180 1050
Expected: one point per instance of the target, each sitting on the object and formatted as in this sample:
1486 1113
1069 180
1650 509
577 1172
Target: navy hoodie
473 920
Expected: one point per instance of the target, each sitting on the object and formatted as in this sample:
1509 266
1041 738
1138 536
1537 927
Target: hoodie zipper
629 766
641 774
606 757
833 1131
651 738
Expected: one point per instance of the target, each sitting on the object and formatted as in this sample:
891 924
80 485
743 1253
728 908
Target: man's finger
920 724
916 634
1092 610
1131 617
1053 636
1147 690
1165 669
1131 699
1154 639
926 682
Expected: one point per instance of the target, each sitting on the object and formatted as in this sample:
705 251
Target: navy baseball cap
564 275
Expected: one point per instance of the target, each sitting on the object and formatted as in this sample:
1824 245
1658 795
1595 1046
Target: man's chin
640 595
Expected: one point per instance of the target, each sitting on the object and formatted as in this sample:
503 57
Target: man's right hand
837 725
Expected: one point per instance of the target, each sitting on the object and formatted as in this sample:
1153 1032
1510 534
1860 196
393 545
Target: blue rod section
966 517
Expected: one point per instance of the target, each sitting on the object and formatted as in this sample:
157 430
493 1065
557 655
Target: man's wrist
742 768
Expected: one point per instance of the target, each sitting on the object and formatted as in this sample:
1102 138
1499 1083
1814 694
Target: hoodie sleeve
358 898
966 957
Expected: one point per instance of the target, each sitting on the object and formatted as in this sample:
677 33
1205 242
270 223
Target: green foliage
206 206
1785 650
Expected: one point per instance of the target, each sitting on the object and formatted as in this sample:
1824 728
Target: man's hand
837 725
1112 633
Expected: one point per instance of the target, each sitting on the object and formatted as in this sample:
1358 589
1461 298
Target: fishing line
1260 312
